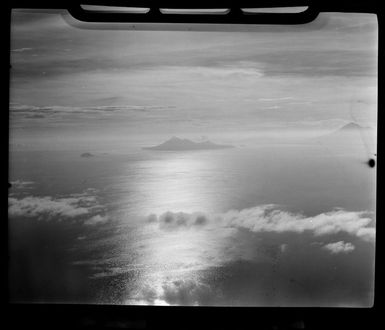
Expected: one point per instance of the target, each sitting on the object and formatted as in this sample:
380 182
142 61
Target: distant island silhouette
351 135
175 144
350 130
352 127
86 155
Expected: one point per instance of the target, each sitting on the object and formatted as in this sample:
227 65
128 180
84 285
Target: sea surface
207 227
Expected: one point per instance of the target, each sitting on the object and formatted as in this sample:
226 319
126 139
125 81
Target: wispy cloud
237 69
270 218
27 113
276 99
21 184
21 50
96 219
339 247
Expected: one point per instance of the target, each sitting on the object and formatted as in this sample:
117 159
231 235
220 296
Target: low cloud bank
270 218
20 184
179 292
83 205
339 247
171 220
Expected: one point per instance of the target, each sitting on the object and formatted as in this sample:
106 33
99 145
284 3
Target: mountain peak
352 126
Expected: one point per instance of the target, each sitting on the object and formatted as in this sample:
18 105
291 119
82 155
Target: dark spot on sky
86 155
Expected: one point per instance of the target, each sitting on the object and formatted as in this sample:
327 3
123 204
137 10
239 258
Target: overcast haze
319 77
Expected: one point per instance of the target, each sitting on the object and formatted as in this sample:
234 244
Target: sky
69 82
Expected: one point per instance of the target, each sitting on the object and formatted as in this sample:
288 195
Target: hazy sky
78 82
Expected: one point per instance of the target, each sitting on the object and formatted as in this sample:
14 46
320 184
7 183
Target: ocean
281 224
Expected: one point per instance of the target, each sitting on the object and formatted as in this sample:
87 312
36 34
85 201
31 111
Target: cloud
37 206
52 109
184 292
21 50
96 219
339 247
241 69
181 292
269 218
21 113
170 220
275 99
73 206
20 184
146 296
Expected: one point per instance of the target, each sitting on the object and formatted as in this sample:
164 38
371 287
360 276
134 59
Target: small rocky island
86 155
177 144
